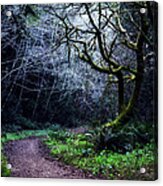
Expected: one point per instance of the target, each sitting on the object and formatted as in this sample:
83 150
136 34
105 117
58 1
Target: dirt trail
30 158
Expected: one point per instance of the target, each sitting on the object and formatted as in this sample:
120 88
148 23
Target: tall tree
96 31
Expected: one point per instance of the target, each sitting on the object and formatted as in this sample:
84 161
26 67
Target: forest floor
30 158
71 154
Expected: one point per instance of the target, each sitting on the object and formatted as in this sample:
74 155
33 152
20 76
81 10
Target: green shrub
25 123
124 137
5 172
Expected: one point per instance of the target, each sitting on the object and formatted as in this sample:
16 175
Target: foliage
5 172
83 64
20 123
80 151
25 123
22 134
125 137
46 86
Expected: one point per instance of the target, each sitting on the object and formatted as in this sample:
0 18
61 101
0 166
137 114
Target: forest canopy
78 62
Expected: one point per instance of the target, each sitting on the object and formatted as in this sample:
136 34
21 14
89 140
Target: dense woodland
84 75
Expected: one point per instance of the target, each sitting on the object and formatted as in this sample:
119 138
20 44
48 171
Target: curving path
30 158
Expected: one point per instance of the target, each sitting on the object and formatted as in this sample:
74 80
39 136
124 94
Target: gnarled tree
97 31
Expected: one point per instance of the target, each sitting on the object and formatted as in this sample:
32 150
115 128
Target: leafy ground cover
80 150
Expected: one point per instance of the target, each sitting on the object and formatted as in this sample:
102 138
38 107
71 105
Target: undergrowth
5 172
80 150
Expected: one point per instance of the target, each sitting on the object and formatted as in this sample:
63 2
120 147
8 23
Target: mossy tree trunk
126 110
99 42
120 92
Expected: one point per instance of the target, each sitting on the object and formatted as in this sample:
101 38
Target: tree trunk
139 77
120 92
